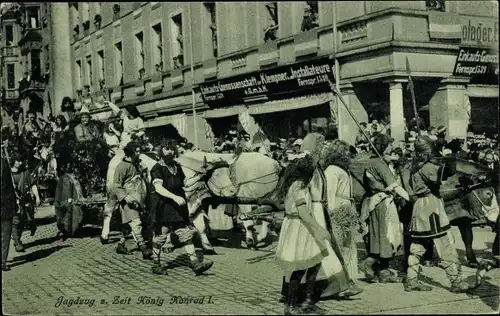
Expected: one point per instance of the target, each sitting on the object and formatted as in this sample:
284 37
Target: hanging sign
269 83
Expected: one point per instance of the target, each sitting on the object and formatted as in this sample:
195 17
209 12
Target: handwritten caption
128 300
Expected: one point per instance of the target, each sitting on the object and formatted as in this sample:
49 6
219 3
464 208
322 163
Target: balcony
9 51
29 87
11 94
32 40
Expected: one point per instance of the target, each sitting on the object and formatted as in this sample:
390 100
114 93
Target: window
435 5
34 17
212 25
272 22
11 76
139 53
89 70
78 74
119 63
9 35
310 19
36 68
177 41
100 64
158 47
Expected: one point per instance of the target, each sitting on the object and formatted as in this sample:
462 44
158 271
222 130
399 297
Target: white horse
250 175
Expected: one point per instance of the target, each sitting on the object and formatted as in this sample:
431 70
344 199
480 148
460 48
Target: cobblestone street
52 272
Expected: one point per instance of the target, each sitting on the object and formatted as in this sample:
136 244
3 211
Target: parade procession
296 158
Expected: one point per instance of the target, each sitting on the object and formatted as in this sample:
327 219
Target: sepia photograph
250 158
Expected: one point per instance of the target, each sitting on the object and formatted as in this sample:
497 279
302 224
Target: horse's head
483 202
215 174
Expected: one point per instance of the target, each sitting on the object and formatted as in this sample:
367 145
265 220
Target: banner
271 83
473 62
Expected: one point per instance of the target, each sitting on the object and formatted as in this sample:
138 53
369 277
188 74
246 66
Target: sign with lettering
479 31
270 83
473 62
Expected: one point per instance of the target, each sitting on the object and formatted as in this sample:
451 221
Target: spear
412 91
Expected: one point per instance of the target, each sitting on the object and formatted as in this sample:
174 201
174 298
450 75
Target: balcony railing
11 94
9 51
32 85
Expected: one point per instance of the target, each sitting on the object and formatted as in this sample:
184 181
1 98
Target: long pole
193 95
337 68
339 97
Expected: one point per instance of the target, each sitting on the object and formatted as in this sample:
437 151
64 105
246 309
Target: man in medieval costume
130 192
380 212
430 222
29 199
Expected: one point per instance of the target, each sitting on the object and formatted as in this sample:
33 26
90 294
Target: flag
408 71
443 25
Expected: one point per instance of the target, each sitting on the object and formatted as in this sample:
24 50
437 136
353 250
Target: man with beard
169 212
129 189
84 131
26 189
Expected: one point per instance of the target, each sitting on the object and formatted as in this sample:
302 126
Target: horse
477 205
249 175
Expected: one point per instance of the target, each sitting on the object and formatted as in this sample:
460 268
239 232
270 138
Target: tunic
128 181
429 219
166 212
297 247
385 231
339 200
24 182
8 206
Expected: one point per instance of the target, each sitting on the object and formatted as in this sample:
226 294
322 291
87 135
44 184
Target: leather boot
5 267
159 269
387 277
121 249
416 285
309 307
461 286
147 253
366 266
291 307
353 290
199 267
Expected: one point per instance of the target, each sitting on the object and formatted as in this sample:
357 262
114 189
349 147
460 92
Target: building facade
271 62
25 72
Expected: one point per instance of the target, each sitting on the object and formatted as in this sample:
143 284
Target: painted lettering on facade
482 32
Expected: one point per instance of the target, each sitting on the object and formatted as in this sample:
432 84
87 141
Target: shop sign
269 83
479 31
472 62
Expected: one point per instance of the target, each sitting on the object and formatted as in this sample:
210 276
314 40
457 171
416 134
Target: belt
292 216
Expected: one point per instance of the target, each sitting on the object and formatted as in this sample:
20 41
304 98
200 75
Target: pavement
82 277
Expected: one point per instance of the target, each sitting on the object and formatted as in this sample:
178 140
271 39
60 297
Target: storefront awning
224 112
179 121
290 104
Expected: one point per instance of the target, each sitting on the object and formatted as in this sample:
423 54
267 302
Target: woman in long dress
302 240
341 208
